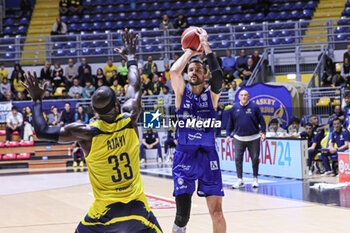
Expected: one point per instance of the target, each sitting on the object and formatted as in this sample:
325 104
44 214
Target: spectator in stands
26 8
85 77
241 64
14 122
108 70
3 73
65 94
275 130
150 140
154 71
100 76
47 95
17 69
169 142
329 76
148 67
339 142
114 76
337 113
71 72
54 118
228 66
123 73
20 96
176 56
88 90
247 72
78 151
81 116
296 128
64 4
166 24
17 85
77 96
28 124
5 90
180 23
57 75
347 53
315 124
166 100
67 114
166 74
255 57
155 87
75 88
59 28
233 90
75 7
116 87
345 73
83 65
122 92
46 72
99 83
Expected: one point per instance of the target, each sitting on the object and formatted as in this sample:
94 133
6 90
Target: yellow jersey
113 164
108 70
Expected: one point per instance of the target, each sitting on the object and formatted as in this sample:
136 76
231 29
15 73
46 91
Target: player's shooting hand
203 36
128 51
32 86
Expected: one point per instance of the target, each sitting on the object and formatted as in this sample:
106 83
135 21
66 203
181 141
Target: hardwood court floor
55 203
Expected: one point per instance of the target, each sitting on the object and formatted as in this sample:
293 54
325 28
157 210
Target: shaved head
105 103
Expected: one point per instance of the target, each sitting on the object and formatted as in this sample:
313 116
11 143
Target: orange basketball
190 40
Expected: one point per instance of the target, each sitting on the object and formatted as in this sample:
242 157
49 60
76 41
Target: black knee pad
183 209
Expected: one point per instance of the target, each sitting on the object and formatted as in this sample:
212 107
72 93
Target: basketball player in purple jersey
196 157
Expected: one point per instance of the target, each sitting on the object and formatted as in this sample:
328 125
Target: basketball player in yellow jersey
111 146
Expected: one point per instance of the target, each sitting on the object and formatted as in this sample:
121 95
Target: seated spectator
155 87
166 97
114 76
123 73
88 90
5 90
19 96
28 124
78 151
150 140
67 115
100 76
345 73
64 4
247 72
181 23
71 72
77 96
46 72
339 142
75 7
232 91
83 65
275 130
108 70
148 67
85 77
99 83
296 128
3 73
14 122
116 87
337 113
59 28
347 53
228 66
166 74
166 24
17 69
241 64
81 116
256 58
169 143
57 75
16 83
54 118
26 8
75 88
154 71
47 95
65 94
122 92
329 76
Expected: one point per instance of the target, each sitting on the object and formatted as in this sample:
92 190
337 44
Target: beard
196 83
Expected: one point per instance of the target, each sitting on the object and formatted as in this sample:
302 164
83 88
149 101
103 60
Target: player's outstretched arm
133 94
73 132
215 69
176 78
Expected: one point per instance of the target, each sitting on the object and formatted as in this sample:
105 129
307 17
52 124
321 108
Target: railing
259 72
282 35
2 14
316 78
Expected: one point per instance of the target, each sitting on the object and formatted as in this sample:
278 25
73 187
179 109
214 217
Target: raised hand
32 86
203 38
128 51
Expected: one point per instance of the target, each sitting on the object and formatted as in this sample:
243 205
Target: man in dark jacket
67 115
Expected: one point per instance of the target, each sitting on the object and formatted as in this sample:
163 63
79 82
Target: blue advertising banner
278 157
47 104
274 101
